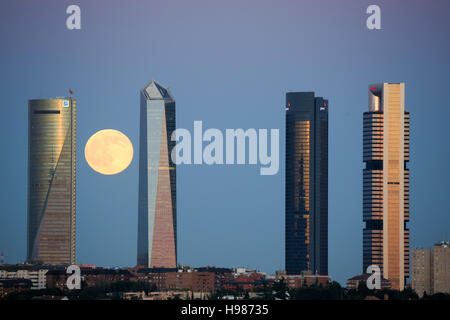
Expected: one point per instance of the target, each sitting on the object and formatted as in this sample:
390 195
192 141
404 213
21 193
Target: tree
335 291
280 289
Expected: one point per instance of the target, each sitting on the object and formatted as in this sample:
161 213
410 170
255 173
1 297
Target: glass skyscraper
157 225
306 183
51 180
386 183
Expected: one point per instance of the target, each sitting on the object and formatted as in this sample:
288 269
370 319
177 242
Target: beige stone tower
386 183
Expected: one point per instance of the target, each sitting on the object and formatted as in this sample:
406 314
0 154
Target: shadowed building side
51 181
157 236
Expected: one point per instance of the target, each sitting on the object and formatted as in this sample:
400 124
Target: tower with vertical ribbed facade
157 235
306 198
51 180
386 183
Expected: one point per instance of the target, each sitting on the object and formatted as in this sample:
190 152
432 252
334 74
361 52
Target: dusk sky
229 64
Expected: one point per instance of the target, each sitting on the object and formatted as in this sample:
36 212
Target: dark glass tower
306 183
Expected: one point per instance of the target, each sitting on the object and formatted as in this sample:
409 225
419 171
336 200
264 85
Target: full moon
108 152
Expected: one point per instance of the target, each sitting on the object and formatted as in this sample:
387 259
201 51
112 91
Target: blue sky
228 64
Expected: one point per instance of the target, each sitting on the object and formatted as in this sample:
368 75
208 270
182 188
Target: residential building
430 269
37 274
8 286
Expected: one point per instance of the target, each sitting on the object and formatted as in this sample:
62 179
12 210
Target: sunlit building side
386 183
51 180
157 225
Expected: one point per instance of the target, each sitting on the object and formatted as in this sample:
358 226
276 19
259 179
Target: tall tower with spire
157 225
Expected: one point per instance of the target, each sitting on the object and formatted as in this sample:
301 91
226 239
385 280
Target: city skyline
220 66
386 143
306 116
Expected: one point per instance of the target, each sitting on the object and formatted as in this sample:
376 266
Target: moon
108 151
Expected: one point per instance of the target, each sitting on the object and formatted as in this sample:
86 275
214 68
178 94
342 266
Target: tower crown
155 91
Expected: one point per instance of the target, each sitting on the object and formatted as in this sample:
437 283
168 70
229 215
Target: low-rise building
57 278
204 279
246 280
14 285
35 273
155 278
305 279
192 281
353 283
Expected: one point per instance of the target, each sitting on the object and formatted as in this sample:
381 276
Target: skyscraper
157 235
306 183
386 183
51 180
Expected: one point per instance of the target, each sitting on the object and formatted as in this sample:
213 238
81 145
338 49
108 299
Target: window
46 111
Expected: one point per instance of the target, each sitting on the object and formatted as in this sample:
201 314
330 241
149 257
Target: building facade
157 236
441 268
37 274
247 281
51 180
206 279
386 183
421 279
8 286
90 277
306 202
430 269
306 279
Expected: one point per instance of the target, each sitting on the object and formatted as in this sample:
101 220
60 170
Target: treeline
333 291
277 291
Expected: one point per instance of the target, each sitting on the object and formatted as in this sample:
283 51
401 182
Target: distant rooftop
363 277
444 244
54 98
31 267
